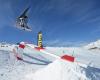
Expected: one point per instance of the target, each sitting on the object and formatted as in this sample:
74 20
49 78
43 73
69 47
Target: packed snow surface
59 70
13 69
64 70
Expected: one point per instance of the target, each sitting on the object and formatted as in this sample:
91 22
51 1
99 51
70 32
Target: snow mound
59 70
13 69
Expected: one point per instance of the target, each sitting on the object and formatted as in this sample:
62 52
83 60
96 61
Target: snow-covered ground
81 54
62 70
39 66
13 69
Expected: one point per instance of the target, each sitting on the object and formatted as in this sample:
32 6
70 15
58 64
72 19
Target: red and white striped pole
18 51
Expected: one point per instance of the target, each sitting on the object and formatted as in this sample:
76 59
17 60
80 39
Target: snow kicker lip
32 57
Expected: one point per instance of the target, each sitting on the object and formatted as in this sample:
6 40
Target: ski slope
62 70
37 65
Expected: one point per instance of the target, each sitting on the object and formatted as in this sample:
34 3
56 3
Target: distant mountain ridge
93 45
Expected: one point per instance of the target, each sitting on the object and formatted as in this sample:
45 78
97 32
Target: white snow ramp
59 70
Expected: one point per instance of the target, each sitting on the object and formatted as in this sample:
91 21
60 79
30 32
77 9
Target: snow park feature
18 50
69 58
20 55
63 57
59 70
46 64
34 62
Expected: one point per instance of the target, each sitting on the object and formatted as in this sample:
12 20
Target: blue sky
63 22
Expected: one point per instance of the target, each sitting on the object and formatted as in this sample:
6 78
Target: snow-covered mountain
93 45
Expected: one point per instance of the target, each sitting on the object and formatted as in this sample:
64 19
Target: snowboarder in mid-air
22 21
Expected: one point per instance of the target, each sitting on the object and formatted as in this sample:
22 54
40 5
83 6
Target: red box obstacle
68 58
